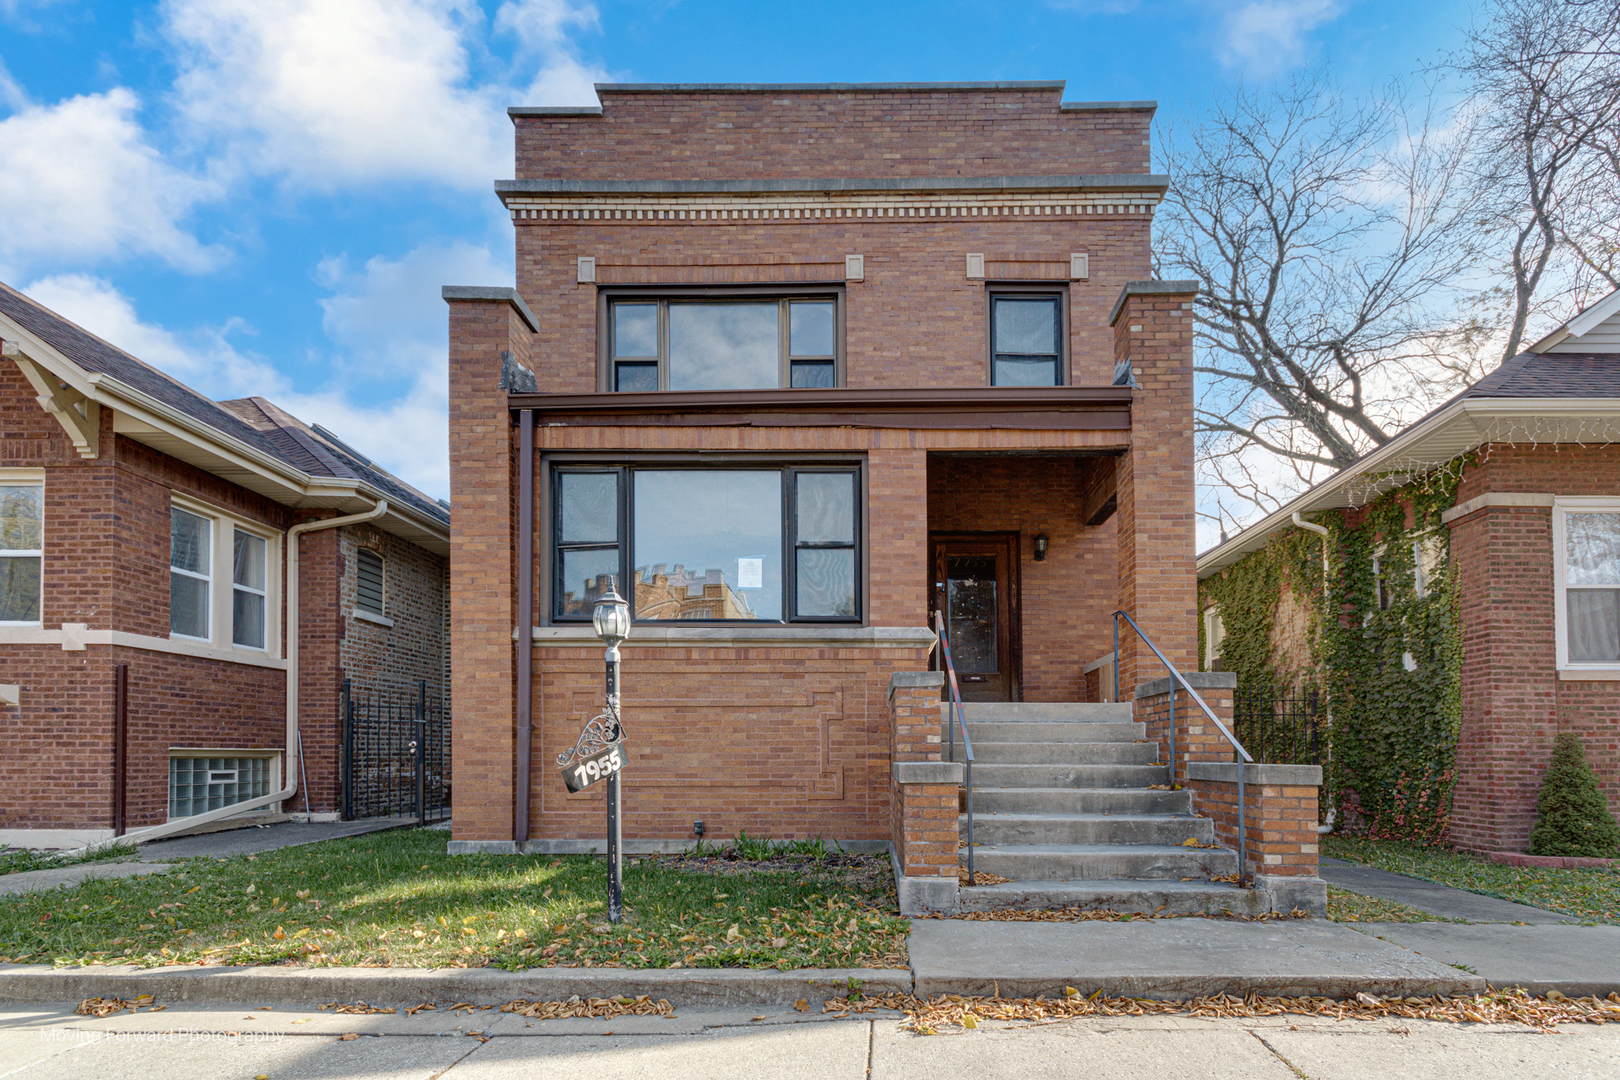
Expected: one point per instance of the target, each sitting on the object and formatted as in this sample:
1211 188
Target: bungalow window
220 579
248 575
1587 569
739 342
767 544
190 562
21 549
1026 338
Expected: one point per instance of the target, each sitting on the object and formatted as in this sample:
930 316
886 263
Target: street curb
1171 987
412 986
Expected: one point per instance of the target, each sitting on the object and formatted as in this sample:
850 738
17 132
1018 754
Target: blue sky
264 197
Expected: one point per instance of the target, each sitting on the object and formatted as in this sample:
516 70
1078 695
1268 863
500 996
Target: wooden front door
976 586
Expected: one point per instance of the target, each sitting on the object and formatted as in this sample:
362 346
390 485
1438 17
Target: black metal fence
396 753
1280 730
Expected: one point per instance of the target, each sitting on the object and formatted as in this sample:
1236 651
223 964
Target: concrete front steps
1065 805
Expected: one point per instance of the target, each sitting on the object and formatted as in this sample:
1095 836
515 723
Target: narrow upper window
248 577
190 567
21 549
742 343
1026 339
368 593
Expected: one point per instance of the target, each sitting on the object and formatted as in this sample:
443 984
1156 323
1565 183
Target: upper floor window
1586 563
1026 338
707 342
21 550
368 592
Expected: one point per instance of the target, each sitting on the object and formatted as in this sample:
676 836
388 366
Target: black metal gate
396 754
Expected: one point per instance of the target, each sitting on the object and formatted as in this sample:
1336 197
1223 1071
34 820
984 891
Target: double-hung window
220 580
752 542
1027 332
1586 562
704 341
21 551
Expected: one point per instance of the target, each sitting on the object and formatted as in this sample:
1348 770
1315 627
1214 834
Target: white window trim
29 478
1562 506
264 593
206 579
1214 635
222 583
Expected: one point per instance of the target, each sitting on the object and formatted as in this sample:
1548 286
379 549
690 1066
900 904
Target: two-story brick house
797 367
184 586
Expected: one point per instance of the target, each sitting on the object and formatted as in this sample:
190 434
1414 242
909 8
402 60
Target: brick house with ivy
1473 570
184 586
800 370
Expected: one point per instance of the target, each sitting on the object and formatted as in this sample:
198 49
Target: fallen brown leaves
577 1007
1074 914
927 1015
358 1008
981 877
107 1006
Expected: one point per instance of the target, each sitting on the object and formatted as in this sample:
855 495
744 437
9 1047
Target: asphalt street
203 1043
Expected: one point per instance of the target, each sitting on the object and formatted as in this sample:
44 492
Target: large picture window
752 543
741 342
1587 561
21 549
1026 338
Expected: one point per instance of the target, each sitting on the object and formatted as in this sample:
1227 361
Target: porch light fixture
1040 549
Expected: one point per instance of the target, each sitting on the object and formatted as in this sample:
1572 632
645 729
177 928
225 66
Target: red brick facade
794 736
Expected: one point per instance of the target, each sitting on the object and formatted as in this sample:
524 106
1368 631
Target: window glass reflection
708 542
635 329
723 346
1026 325
811 329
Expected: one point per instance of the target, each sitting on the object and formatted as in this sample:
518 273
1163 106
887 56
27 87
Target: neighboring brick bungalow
819 353
146 528
1534 543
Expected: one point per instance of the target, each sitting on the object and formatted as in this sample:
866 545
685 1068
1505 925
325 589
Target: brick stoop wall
925 834
1196 738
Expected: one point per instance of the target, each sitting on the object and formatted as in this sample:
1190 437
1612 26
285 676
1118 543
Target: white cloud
1265 36
80 183
337 92
387 393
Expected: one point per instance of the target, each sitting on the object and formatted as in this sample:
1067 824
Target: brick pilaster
1158 586
483 556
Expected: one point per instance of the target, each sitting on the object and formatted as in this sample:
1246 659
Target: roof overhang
153 423
1459 427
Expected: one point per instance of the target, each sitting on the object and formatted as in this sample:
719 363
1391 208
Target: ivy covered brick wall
1379 644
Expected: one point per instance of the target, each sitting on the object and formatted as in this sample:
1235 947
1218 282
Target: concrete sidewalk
153 858
51 1043
1432 897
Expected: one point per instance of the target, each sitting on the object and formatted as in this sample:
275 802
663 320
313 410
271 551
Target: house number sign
582 772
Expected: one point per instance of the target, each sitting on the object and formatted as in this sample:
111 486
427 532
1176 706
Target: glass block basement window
200 784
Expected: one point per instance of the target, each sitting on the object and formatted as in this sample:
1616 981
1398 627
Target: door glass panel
723 347
970 597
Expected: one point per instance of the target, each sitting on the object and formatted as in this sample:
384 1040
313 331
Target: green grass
1592 895
397 899
21 860
1346 906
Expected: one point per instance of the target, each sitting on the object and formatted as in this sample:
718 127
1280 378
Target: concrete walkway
154 858
1432 897
775 1042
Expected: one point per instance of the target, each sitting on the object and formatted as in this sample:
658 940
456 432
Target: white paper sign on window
750 573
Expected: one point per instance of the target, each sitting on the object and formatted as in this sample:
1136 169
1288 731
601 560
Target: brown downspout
120 744
522 763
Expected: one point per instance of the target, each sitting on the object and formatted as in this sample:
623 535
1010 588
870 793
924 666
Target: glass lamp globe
611 617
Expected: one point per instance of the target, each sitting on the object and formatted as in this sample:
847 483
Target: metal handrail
1177 679
957 720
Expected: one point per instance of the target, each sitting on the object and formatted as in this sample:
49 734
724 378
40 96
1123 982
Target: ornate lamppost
597 755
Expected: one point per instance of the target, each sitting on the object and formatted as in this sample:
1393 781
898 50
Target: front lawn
1592 895
396 899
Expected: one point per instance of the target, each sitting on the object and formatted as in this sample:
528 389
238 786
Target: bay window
735 340
761 543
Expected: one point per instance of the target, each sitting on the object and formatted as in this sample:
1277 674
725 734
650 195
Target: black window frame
1027 290
783 292
625 467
